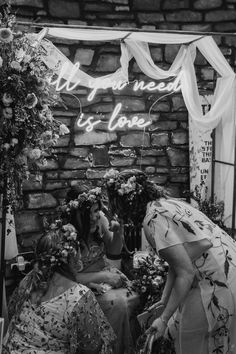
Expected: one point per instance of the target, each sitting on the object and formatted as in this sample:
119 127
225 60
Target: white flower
31 100
74 204
6 35
14 141
6 146
64 253
112 173
7 112
35 154
15 65
26 58
63 129
69 227
96 191
20 53
7 99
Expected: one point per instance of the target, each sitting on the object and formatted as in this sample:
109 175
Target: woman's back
59 325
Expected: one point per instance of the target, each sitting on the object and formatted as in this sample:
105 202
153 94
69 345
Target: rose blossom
7 112
6 146
7 99
63 129
35 154
31 100
14 141
6 35
15 65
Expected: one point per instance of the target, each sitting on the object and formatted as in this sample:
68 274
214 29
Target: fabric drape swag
136 44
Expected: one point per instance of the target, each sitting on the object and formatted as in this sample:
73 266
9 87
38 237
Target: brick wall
162 150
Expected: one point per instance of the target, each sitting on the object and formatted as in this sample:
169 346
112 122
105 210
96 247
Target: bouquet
149 276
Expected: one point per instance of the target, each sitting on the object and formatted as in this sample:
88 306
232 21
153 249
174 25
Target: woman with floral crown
198 303
51 313
83 208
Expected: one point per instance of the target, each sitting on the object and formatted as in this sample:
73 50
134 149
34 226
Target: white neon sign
114 121
96 84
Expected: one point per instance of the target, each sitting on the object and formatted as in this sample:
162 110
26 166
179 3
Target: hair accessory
123 186
84 200
67 245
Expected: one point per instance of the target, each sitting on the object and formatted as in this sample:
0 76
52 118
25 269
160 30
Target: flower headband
119 184
84 200
67 246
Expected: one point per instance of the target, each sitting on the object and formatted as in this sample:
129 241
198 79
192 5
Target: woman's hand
116 280
115 226
157 328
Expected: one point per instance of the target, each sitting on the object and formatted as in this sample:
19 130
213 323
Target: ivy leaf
219 283
187 227
215 301
226 267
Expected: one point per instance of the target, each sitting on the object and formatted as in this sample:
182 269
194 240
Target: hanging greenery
28 130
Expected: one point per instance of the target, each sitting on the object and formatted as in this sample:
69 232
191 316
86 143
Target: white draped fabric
135 44
109 35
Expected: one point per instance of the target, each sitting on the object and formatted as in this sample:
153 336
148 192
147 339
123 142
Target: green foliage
212 208
27 127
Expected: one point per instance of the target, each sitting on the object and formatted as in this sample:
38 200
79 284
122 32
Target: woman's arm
112 235
114 279
182 267
168 286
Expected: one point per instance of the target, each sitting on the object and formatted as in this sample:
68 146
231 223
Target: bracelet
164 321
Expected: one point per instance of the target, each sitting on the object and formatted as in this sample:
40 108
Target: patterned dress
69 323
170 222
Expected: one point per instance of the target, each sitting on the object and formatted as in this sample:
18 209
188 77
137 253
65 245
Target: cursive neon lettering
122 121
89 122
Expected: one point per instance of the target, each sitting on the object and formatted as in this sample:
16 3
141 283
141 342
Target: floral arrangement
68 245
84 200
149 274
129 192
28 130
129 187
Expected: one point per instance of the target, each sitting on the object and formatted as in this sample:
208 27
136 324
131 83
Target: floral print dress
69 323
170 222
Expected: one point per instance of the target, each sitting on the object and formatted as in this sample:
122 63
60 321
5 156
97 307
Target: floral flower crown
119 185
67 246
83 201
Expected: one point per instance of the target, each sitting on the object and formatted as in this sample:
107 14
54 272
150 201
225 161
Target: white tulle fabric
135 44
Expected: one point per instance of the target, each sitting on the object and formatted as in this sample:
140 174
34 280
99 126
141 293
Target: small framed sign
1 332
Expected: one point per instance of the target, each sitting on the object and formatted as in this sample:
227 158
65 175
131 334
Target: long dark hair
80 218
131 206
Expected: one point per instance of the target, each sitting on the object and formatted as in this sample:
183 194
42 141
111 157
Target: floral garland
117 183
83 201
68 246
28 130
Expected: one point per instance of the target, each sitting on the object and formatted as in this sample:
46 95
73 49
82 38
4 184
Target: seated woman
51 313
83 210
